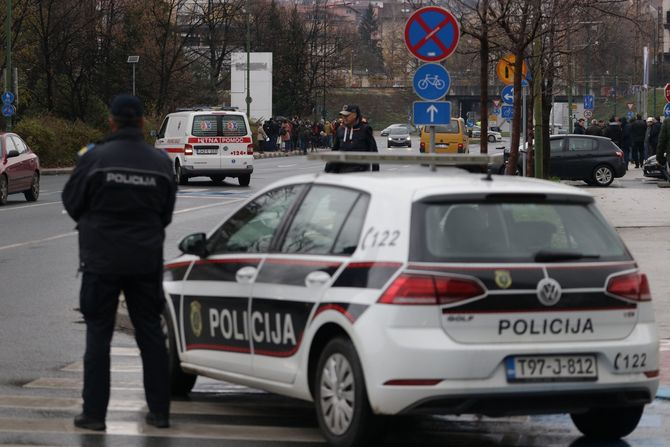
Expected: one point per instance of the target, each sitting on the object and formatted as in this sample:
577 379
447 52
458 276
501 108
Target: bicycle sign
431 82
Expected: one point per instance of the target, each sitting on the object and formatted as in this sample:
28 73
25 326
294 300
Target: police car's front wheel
244 179
342 405
181 383
608 423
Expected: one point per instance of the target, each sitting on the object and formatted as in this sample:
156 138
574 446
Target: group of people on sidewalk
636 137
282 134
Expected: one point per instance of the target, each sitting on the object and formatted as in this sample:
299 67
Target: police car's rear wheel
34 192
4 189
342 406
244 179
181 383
608 423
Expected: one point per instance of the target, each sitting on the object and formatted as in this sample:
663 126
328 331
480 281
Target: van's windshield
219 126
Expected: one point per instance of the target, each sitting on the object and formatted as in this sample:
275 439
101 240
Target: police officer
353 135
122 194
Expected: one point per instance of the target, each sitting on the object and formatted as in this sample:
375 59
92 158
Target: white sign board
261 83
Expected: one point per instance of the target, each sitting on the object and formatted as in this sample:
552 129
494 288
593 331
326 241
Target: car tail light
619 154
422 147
410 289
632 286
460 148
188 149
250 149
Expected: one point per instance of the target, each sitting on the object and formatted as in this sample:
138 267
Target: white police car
399 293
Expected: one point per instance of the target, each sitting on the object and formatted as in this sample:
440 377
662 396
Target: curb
257 156
663 393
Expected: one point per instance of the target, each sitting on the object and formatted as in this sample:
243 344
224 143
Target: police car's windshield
513 232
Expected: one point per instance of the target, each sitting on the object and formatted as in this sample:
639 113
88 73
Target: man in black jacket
353 135
122 194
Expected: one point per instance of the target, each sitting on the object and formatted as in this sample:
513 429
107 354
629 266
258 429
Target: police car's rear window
219 126
512 232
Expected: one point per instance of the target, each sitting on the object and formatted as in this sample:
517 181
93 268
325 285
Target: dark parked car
595 160
19 169
410 129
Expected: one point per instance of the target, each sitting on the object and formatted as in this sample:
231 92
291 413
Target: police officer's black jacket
356 138
121 194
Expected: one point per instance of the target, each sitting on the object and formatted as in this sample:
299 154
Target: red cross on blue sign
431 34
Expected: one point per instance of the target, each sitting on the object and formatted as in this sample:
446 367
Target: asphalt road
43 338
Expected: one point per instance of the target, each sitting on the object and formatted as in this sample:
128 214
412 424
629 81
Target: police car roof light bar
407 159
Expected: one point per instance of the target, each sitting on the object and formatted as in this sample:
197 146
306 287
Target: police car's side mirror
194 244
12 153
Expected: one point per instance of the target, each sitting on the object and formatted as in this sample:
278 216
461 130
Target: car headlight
390 139
408 138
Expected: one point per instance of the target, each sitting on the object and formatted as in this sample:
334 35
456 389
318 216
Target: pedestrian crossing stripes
219 413
665 345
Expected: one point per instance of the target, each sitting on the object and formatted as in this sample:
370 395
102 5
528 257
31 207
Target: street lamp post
133 60
9 71
248 98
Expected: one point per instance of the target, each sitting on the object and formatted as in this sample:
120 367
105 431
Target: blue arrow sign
8 97
507 94
432 33
666 110
630 114
430 113
507 112
588 102
8 110
431 82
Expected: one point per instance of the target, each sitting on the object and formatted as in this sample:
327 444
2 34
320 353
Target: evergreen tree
370 50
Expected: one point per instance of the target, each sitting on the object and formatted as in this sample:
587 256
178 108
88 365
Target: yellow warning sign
505 69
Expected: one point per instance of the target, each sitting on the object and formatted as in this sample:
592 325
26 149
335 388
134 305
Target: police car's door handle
317 279
246 274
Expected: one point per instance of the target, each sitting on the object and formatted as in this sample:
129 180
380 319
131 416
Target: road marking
20 207
665 345
79 367
177 430
285 166
63 383
38 241
126 352
196 208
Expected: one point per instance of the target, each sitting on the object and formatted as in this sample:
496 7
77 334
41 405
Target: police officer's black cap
350 108
126 107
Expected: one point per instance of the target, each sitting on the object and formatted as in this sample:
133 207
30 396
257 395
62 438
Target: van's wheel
4 189
492 139
603 175
179 176
342 406
181 383
244 179
608 423
34 192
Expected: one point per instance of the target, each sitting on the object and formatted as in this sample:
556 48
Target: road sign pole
525 140
432 145
8 75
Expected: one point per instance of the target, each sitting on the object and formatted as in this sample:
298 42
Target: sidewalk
257 156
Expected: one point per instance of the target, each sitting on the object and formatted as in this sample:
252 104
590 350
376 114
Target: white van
210 143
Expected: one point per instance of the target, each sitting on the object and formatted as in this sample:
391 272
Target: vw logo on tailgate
548 291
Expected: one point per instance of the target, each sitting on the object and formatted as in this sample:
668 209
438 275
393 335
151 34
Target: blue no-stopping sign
431 34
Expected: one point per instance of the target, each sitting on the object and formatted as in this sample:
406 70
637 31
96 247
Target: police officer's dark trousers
99 299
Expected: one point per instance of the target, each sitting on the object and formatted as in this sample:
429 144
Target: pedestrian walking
637 133
613 130
353 135
626 140
261 137
122 194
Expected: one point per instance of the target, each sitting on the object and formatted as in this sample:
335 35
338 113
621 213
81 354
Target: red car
19 169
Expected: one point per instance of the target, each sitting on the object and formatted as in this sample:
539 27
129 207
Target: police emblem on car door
322 234
216 294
